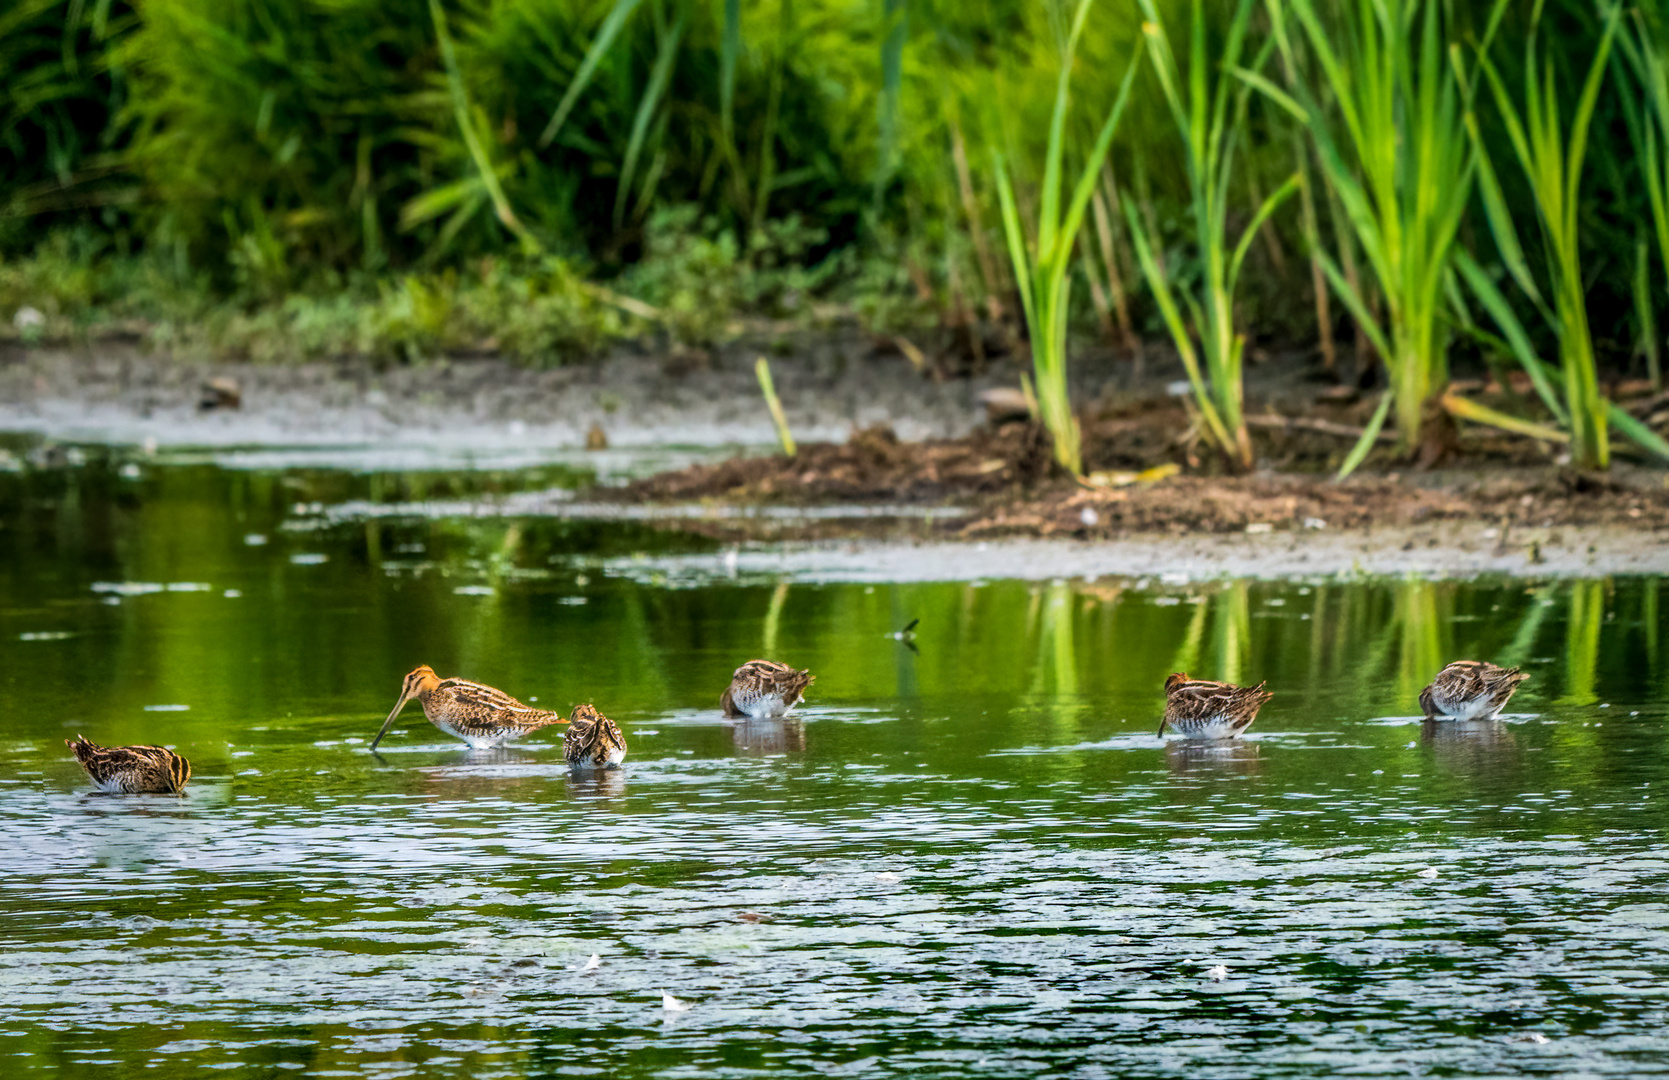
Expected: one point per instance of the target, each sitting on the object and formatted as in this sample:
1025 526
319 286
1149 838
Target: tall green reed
1210 115
1041 276
1552 165
1644 92
1402 170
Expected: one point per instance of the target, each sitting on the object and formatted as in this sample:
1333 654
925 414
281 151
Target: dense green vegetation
406 177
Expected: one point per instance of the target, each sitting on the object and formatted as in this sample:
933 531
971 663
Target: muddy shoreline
899 474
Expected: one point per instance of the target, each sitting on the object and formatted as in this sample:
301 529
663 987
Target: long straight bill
385 724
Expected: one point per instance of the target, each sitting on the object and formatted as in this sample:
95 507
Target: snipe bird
1200 709
1469 690
132 770
479 715
592 740
763 688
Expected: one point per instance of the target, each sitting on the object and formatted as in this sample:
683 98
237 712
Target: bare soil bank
878 432
1005 481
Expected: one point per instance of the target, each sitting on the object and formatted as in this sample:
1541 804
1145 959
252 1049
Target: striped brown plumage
1469 690
132 770
592 740
479 715
1201 709
761 688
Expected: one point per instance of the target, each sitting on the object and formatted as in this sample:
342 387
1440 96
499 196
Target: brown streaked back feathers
1192 706
1471 688
592 739
764 687
132 770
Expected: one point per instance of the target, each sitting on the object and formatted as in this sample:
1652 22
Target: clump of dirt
872 466
1006 481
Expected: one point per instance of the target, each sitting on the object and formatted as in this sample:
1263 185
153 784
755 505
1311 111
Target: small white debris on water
1533 1037
1314 523
596 962
1218 973
1428 872
572 601
127 588
167 708
130 471
1088 516
231 594
1166 601
1256 527
254 539
189 586
45 635
474 590
886 877
672 1004
309 558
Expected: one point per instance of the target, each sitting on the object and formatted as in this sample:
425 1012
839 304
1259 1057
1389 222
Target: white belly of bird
477 740
1479 708
117 785
760 706
1215 727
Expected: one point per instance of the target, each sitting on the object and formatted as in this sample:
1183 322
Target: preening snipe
132 770
1469 690
1201 709
763 688
592 740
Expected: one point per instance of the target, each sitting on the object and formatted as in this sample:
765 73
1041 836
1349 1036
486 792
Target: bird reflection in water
1468 744
488 772
596 783
765 738
1218 756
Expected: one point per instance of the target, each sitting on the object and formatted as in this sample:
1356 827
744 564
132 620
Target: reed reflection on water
970 858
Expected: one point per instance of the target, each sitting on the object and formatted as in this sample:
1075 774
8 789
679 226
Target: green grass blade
1353 303
1502 312
1584 117
1467 409
1016 239
762 370
1643 311
1165 298
1085 188
730 51
1500 220
1636 429
1265 86
472 137
1370 435
659 76
612 24
1270 205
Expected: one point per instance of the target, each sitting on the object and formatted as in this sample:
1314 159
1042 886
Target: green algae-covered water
974 859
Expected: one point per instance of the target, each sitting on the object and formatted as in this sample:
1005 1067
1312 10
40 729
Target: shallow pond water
970 858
